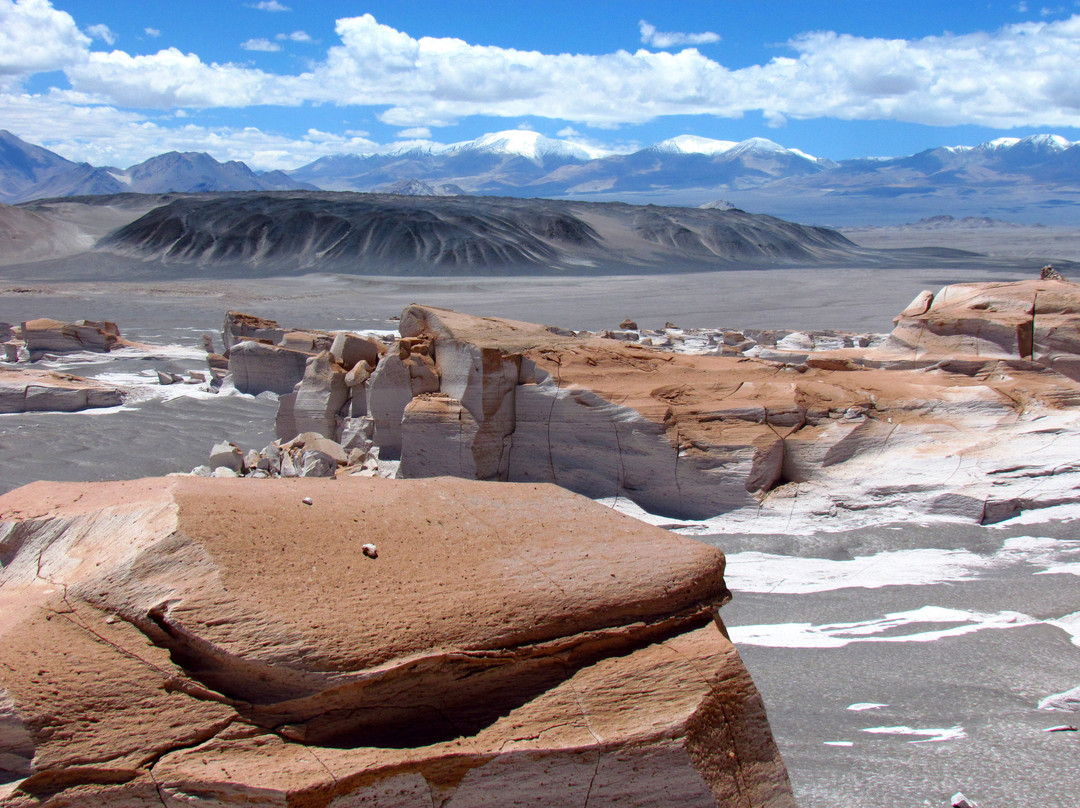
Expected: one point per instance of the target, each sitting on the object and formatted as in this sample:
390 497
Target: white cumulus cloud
295 36
102 32
670 39
36 37
105 135
270 5
260 45
152 32
1020 75
170 78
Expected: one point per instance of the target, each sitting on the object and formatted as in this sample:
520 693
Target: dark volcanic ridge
290 232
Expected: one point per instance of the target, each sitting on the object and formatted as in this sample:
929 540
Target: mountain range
32 172
1031 179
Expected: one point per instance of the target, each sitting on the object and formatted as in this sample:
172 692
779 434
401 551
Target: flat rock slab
33 390
213 640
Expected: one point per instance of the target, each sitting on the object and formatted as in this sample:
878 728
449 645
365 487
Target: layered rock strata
696 436
31 390
44 336
750 425
1034 320
308 642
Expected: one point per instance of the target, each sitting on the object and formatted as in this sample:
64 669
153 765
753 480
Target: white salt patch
838 635
839 743
1061 569
931 735
96 411
1070 624
170 351
144 386
865 705
630 508
765 572
1066 512
769 573
1069 700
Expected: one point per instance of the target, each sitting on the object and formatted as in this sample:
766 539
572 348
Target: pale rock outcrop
307 341
406 370
1035 320
257 367
195 641
53 336
239 327
694 436
317 401
263 357
349 350
226 455
32 390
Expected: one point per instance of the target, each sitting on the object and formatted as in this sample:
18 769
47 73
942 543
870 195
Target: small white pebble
308 501
370 550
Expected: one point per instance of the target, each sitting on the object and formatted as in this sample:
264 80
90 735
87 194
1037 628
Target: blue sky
278 83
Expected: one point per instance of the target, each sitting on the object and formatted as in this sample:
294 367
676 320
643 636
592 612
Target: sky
280 83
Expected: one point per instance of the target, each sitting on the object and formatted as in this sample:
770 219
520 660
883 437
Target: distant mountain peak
528 144
693 144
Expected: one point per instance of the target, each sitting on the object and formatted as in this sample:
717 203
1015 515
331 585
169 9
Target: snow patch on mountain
528 144
693 144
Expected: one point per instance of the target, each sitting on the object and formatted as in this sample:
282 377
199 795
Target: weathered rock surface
53 336
696 436
195 641
317 401
257 367
1037 320
263 357
32 390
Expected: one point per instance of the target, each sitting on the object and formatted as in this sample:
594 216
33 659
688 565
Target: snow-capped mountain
998 178
525 143
497 163
693 144
32 172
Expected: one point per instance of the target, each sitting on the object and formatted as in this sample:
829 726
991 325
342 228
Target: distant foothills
1031 179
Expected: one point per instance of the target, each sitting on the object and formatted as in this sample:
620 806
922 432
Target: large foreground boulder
202 642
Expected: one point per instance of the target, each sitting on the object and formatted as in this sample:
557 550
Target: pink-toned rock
1037 320
239 326
33 390
696 436
350 350
200 641
53 336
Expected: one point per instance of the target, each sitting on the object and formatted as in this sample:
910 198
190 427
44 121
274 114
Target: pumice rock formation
694 436
198 642
31 390
1037 320
262 356
53 336
749 424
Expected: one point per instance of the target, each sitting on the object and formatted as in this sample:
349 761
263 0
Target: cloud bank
1019 75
